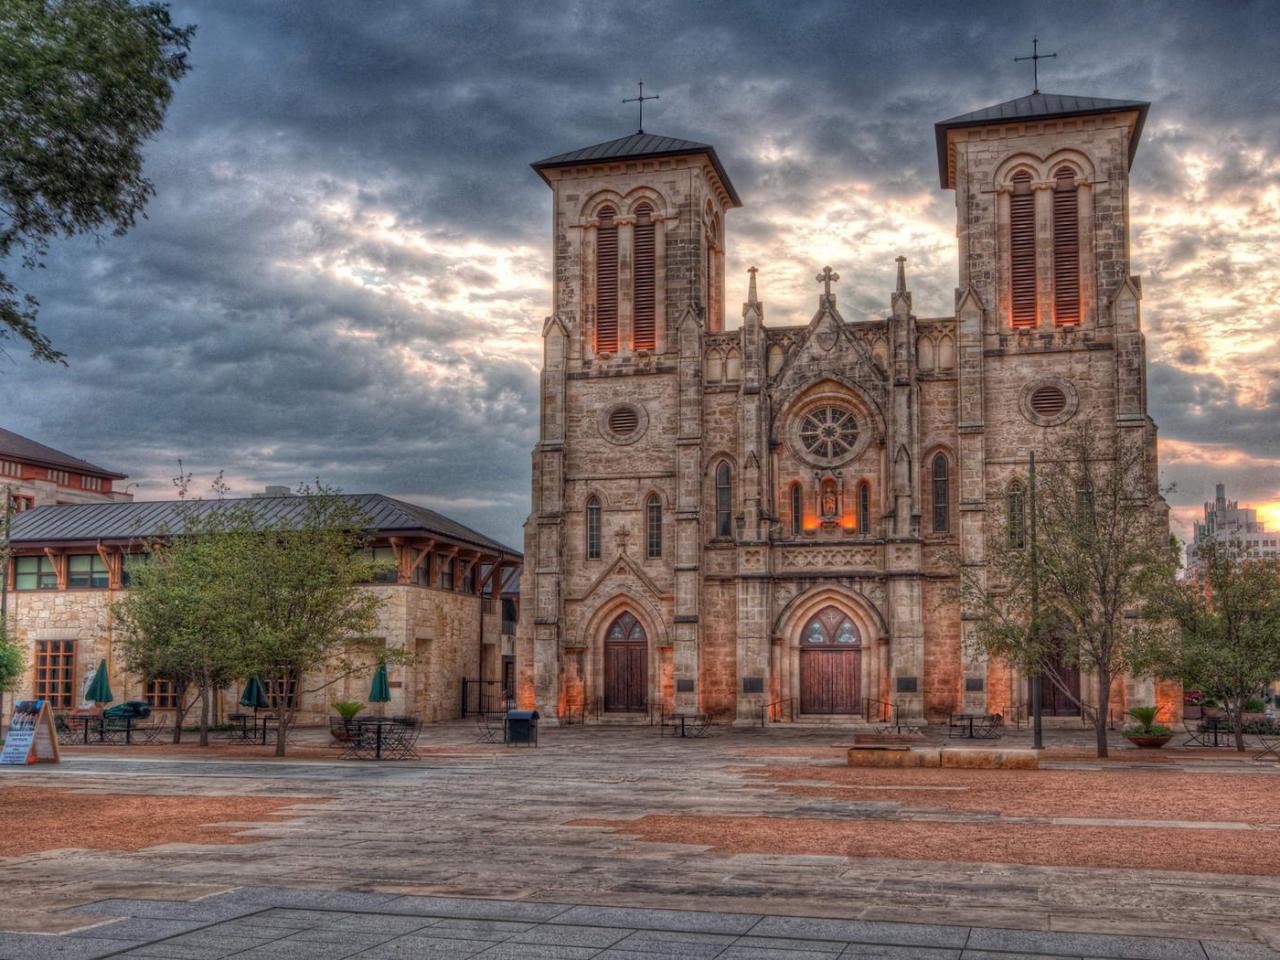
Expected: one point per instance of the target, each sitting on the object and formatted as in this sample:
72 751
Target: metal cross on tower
1035 58
827 277
640 101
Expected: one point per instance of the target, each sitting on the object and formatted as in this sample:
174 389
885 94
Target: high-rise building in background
1225 521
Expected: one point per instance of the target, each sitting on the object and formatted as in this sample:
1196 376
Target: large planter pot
1153 742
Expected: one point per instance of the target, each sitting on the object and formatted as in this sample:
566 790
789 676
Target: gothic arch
638 195
598 621
1011 166
864 614
925 353
831 386
592 205
1077 161
946 353
733 364
715 367
596 492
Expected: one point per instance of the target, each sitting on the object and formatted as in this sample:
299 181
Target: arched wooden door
626 656
1054 701
830 664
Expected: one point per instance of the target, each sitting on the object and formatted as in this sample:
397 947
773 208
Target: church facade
771 520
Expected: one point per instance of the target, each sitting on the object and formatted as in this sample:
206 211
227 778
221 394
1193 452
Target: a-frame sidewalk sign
32 736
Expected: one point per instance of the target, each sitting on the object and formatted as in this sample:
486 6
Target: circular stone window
623 423
828 433
1049 402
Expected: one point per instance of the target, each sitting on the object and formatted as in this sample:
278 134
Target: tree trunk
282 730
1237 722
204 715
180 714
1104 708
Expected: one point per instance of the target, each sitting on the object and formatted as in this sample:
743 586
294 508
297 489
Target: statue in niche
830 505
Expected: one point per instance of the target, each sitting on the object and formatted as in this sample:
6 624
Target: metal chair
1270 746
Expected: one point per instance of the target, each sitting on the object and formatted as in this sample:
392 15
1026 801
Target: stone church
772 518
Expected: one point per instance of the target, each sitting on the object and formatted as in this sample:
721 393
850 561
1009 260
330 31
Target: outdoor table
377 723
684 718
1215 724
970 717
249 726
85 720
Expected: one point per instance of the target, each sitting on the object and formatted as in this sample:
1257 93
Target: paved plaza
477 849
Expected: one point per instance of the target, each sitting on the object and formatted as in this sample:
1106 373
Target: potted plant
1146 734
347 709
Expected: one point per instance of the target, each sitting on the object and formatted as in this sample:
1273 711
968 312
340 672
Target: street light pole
4 554
1036 679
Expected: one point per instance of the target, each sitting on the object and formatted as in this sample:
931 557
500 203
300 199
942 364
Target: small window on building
161 694
10 468
1022 250
90 483
1017 516
724 500
445 579
593 529
130 562
86 571
864 508
283 693
386 557
941 495
653 527
797 509
55 670
35 573
22 502
59 476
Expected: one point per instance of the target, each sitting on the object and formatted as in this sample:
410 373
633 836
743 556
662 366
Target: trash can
521 726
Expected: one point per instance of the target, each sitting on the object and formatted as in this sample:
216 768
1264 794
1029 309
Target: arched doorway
626 653
1054 701
830 663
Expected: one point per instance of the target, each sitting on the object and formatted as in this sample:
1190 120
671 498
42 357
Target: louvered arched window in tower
1066 247
1022 250
607 283
644 332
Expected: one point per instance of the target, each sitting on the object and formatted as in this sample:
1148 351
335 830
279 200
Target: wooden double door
830 664
626 666
1054 701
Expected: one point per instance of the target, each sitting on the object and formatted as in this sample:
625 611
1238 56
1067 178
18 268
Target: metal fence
485 696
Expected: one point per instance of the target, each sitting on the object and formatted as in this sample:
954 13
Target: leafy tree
11 665
175 616
1226 627
83 83
1102 547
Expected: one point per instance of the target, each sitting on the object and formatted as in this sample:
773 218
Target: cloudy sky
346 267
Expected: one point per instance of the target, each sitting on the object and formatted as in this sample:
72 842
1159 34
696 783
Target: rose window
828 432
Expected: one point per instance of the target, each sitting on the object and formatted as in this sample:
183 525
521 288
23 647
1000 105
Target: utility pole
1036 726
4 557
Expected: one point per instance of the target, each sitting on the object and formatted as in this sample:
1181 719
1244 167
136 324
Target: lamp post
1037 730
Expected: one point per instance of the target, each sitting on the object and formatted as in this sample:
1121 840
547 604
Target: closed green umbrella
380 692
100 689
255 695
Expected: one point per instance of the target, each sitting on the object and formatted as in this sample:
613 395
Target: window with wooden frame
797 509
864 507
445 579
724 500
87 571
55 673
1017 522
283 693
607 283
1066 247
161 694
593 529
10 468
23 502
386 557
653 527
643 300
941 494
90 483
60 476
34 573
133 560
1022 250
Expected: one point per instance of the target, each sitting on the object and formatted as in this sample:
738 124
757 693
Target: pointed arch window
1066 247
593 529
1017 504
644 331
607 283
653 527
864 507
1022 250
797 510
724 500
941 494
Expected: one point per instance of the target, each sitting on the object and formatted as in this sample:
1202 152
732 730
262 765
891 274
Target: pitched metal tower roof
633 147
1036 106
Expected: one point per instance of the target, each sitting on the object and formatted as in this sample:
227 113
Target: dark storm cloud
345 269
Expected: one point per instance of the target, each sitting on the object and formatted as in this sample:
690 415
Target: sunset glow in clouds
347 264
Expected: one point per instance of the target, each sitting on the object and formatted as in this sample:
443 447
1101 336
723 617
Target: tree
300 602
174 619
1226 627
1102 547
83 83
11 665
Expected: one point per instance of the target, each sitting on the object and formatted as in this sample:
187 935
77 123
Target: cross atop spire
827 277
1035 58
640 101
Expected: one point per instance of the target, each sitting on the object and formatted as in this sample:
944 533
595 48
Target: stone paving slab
269 925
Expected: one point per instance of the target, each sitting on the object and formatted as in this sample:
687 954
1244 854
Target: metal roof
16 447
634 146
1037 106
124 520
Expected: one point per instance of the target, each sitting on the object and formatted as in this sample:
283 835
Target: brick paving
490 822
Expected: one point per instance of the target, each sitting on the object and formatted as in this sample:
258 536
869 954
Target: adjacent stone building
34 475
443 604
773 518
